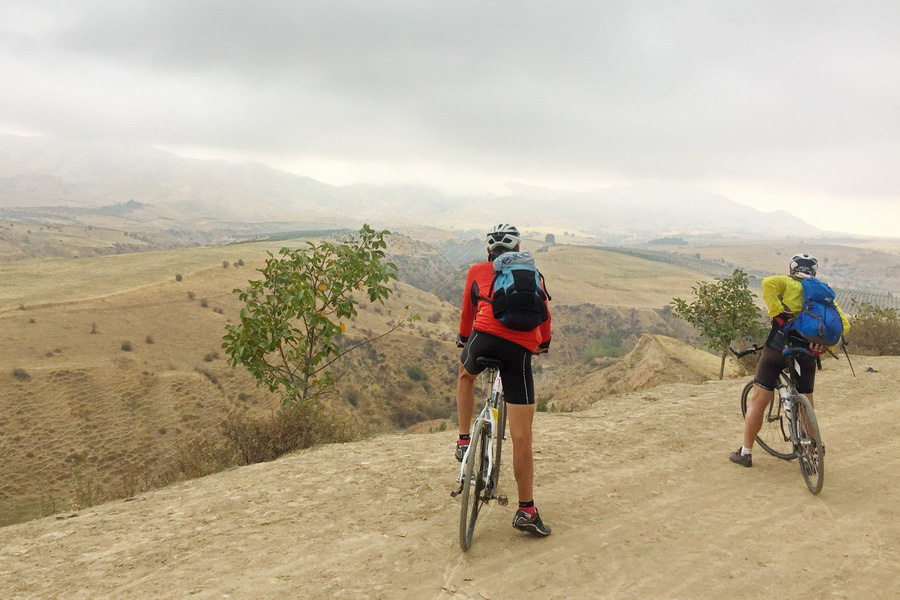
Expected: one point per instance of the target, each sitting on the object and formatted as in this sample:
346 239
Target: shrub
94 328
434 317
293 427
219 310
353 397
126 346
21 374
204 302
149 339
875 331
211 356
415 373
609 346
191 295
178 277
239 262
542 402
225 264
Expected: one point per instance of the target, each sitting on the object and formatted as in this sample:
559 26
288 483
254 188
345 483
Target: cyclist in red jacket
480 334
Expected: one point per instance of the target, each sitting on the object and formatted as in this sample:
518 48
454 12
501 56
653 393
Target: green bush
21 374
609 346
178 277
875 331
126 346
415 373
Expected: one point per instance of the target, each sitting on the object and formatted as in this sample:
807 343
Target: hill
638 489
109 366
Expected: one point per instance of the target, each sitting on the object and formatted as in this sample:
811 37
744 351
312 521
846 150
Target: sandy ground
639 491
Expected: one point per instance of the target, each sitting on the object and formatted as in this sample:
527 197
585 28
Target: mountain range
157 189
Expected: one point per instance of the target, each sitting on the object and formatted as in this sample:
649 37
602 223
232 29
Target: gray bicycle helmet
504 235
804 263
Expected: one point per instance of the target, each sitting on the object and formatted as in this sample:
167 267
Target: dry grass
583 275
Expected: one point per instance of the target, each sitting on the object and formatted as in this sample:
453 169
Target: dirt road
639 491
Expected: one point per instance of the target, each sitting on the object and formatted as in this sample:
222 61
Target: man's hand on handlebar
817 348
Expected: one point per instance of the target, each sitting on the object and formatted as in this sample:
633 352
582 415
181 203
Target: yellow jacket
784 288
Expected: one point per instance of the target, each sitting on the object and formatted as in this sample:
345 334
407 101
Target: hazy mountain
41 172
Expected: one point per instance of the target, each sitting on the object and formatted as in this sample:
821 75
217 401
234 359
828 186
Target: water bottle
785 401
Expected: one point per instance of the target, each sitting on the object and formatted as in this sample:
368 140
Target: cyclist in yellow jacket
783 295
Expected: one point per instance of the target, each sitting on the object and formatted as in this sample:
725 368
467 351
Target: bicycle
479 473
789 429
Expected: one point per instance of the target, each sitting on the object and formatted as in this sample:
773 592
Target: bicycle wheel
773 436
811 450
498 444
473 486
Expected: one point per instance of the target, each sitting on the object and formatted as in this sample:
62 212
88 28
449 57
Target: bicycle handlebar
753 350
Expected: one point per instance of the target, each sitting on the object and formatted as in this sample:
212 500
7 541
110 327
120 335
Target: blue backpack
819 321
517 293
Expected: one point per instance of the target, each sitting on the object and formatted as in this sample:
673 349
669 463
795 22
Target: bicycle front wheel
498 444
473 485
773 436
811 451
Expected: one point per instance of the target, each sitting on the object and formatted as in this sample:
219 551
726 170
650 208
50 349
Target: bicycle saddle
490 363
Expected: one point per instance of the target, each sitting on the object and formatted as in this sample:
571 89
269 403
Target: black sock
526 506
465 438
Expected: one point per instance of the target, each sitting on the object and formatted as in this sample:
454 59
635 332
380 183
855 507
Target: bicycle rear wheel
473 486
811 451
773 436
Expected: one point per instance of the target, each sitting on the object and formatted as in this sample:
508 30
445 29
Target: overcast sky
775 104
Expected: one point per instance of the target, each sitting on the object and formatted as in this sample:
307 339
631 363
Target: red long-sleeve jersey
477 313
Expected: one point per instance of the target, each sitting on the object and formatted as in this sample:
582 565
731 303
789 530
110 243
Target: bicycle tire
498 444
471 500
811 451
772 436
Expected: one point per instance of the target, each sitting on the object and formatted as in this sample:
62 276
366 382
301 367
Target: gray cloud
797 95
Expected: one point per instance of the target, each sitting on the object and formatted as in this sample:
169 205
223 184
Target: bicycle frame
802 425
489 415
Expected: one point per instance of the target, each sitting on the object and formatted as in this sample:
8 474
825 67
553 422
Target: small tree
550 238
723 311
288 329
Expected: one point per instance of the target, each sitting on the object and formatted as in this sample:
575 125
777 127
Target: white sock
745 451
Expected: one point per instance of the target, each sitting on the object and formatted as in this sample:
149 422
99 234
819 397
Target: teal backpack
517 294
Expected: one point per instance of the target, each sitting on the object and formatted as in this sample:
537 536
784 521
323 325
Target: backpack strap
474 296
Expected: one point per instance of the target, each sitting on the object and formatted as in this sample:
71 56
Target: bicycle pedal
502 500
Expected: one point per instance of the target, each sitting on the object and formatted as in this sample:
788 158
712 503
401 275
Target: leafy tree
723 311
550 238
287 337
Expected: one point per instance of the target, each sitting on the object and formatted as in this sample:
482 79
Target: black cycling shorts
773 361
518 381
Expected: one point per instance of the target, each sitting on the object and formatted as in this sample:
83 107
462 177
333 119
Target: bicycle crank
502 500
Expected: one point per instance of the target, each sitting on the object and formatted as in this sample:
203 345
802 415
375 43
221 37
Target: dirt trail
639 491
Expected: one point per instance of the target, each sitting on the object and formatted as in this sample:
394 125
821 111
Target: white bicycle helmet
804 263
504 235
